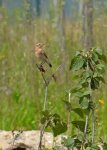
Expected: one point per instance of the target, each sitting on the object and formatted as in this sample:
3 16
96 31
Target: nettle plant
89 68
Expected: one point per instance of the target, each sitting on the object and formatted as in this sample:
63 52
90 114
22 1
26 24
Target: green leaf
94 84
76 89
59 128
85 75
79 112
79 124
84 103
43 120
46 113
78 143
95 57
99 77
101 68
88 148
85 94
104 58
98 51
69 142
56 118
77 63
45 116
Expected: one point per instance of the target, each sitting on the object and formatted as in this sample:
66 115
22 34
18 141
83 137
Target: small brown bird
41 55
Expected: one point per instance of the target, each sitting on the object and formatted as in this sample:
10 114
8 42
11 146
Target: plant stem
87 115
41 135
69 99
86 126
93 126
90 100
45 100
42 132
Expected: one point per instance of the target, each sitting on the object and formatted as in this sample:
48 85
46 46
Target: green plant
90 73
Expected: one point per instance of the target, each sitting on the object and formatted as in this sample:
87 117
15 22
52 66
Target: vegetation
22 88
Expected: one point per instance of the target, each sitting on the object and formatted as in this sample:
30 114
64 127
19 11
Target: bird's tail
54 77
48 62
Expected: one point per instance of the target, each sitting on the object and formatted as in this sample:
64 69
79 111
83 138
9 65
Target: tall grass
21 87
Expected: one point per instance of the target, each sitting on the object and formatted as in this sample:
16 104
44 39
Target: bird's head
39 46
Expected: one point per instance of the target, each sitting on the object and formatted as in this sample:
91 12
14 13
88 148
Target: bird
41 55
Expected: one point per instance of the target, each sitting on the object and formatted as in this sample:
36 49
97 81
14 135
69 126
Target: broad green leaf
59 128
101 68
95 57
101 79
68 142
98 76
104 58
76 89
77 63
79 124
79 112
84 103
78 143
85 75
84 93
43 120
56 118
98 51
94 84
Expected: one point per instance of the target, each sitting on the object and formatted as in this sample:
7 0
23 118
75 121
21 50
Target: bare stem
41 135
69 99
87 115
93 126
86 126
42 132
45 100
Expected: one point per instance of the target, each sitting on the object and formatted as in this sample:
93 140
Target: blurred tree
0 2
29 11
61 27
62 35
87 23
38 7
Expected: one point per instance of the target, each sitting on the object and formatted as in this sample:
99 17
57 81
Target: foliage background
21 86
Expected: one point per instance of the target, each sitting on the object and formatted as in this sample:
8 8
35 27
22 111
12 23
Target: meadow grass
22 89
